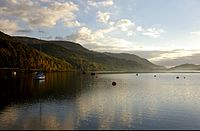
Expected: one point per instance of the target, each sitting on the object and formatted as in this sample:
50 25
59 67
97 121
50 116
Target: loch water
81 101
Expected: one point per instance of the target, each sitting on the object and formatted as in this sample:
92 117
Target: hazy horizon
164 32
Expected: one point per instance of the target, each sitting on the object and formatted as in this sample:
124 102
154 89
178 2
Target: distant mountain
24 52
132 57
15 54
83 59
186 67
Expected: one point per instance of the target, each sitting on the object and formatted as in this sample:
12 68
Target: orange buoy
114 83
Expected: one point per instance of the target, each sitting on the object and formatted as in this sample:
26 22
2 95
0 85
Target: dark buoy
154 75
92 74
177 77
137 74
184 77
114 83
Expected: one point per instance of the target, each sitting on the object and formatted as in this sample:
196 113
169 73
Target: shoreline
101 72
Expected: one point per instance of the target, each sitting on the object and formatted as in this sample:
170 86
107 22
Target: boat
39 76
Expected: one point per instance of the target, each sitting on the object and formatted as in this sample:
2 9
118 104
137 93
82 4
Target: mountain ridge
81 58
186 66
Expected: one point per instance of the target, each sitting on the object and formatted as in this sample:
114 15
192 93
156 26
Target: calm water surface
77 101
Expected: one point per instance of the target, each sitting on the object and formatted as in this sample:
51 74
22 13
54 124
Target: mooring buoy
114 83
92 73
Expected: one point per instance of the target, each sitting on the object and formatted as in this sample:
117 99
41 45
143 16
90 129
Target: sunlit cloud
152 32
72 23
35 14
103 17
8 26
195 33
100 3
174 55
124 24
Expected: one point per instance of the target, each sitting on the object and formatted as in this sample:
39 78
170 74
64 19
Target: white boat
39 76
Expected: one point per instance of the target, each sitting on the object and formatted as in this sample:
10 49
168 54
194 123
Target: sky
166 32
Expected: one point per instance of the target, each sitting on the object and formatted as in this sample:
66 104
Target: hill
15 54
83 59
186 67
132 57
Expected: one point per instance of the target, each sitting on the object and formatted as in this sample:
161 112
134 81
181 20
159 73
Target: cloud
36 14
124 24
104 3
139 28
103 17
153 32
8 26
195 33
173 55
169 58
99 40
72 23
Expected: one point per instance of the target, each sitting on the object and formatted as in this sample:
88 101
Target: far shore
103 72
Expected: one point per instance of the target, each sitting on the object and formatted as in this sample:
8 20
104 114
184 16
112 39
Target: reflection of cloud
106 103
8 117
127 105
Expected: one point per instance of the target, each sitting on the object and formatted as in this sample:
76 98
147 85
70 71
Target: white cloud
98 40
174 54
130 33
103 17
124 24
8 26
104 3
72 23
139 28
35 14
195 33
153 32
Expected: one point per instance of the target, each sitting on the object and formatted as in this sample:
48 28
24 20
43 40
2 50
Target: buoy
154 75
92 73
114 83
136 74
177 77
184 77
96 76
83 72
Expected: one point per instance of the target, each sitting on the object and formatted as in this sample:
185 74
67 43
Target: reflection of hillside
22 88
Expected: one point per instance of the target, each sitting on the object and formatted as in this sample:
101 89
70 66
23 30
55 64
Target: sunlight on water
76 101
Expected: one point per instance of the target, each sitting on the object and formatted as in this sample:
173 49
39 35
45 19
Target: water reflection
76 101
